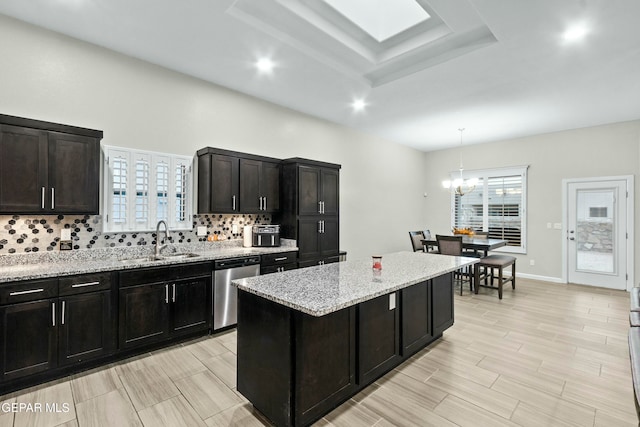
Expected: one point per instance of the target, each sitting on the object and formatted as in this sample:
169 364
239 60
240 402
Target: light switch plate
65 234
201 230
234 229
392 301
557 225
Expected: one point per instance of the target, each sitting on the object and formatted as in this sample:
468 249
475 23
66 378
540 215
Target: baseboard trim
537 277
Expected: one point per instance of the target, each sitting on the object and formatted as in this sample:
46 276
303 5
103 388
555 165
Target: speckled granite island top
327 288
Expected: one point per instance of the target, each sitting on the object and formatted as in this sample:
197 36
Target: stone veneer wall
34 233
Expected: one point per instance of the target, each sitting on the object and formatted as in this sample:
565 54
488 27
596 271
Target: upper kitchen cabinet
232 182
48 168
318 190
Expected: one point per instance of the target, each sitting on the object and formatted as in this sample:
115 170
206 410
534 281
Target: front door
597 232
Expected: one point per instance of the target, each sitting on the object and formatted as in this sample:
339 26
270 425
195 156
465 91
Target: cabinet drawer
267 269
73 285
164 274
30 290
279 258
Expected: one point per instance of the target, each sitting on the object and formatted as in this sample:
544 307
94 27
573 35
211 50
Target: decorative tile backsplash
34 233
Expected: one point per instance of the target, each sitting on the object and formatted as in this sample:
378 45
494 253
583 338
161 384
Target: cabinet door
308 190
86 327
330 191
329 238
270 186
23 170
250 177
308 238
29 338
144 314
442 297
191 301
379 337
73 174
224 184
416 318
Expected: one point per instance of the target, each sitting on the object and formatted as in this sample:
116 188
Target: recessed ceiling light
358 105
575 33
264 65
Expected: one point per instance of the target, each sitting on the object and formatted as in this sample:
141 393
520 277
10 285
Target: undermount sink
152 258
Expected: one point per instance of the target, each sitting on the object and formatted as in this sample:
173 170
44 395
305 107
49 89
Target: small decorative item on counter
212 238
377 263
467 231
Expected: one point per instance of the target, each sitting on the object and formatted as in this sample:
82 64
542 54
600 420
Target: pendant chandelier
460 186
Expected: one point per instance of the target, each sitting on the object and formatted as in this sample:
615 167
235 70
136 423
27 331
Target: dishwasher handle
236 262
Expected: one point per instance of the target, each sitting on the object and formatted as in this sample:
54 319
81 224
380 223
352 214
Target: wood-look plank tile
178 362
484 397
224 367
462 413
6 415
171 413
612 399
61 410
206 348
402 398
557 407
207 394
526 415
240 415
521 374
88 385
148 386
617 419
352 414
110 409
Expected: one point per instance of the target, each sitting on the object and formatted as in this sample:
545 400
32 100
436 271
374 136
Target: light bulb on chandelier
460 186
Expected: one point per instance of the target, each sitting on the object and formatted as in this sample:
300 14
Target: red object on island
377 262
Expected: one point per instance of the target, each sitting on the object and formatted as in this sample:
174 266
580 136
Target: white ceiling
498 68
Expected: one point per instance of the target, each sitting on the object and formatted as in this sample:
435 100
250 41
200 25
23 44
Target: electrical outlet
532 262
234 229
549 225
65 234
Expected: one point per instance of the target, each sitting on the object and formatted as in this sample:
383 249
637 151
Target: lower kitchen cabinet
278 262
442 303
416 317
86 327
158 304
29 338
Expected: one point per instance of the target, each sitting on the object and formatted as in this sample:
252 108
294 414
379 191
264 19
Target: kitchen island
310 339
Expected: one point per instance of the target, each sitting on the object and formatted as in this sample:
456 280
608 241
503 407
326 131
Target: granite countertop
327 288
47 265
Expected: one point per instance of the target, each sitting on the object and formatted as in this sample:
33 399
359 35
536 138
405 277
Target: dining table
471 243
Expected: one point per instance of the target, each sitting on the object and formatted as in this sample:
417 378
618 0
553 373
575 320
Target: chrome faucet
159 247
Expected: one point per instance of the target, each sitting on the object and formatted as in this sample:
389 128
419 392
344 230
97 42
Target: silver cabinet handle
174 293
53 198
319 226
284 258
42 198
273 240
260 203
82 285
320 207
53 313
166 294
63 307
30 291
233 199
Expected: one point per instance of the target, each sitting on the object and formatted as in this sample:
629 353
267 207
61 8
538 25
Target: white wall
609 150
51 77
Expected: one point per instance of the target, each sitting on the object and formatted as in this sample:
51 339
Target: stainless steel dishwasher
225 296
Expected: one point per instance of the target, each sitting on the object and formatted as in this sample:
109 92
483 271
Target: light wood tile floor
546 355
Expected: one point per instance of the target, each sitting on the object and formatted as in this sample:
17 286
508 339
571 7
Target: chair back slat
416 240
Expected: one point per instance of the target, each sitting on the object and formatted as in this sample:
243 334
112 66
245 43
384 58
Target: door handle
53 313
233 200
30 291
572 238
42 198
322 204
63 309
166 294
174 293
53 198
265 203
319 207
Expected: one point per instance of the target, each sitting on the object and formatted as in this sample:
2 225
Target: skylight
381 19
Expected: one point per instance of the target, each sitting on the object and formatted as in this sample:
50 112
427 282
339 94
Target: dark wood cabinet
86 327
442 303
29 338
233 182
53 323
310 209
158 304
259 186
48 168
416 317
379 337
278 262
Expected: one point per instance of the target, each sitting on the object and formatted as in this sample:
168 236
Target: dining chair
416 240
427 236
452 245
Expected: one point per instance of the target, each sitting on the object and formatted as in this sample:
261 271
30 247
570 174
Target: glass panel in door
595 230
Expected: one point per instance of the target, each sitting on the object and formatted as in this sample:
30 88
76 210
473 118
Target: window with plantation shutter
497 205
144 187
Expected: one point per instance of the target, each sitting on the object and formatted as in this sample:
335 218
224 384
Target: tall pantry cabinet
310 209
